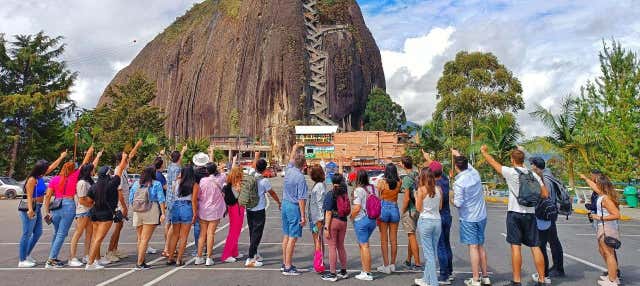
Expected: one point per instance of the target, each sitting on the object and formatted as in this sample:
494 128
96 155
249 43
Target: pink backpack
374 204
343 205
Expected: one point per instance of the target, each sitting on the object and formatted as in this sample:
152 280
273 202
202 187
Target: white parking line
169 273
58 269
578 259
622 234
123 275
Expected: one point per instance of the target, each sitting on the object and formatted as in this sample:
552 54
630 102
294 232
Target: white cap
200 159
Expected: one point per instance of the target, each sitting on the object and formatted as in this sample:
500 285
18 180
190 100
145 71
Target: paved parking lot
582 261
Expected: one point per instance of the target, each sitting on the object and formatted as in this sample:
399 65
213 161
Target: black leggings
255 220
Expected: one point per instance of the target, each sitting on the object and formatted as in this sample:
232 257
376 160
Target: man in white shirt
521 220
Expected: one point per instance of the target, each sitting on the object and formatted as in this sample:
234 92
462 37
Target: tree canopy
382 113
34 99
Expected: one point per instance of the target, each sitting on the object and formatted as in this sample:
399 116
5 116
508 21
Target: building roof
303 130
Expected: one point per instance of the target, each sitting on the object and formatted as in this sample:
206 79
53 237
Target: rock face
249 57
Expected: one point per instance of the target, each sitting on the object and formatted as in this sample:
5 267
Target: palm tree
500 133
564 132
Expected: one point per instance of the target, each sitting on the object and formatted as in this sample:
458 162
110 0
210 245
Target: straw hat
200 159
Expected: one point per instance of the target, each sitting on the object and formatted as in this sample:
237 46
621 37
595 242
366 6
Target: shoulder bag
608 240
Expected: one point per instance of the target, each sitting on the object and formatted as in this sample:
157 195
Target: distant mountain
410 127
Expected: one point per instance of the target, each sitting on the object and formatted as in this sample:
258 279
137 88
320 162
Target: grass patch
194 17
230 8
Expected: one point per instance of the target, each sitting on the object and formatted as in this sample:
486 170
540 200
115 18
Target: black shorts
522 229
101 216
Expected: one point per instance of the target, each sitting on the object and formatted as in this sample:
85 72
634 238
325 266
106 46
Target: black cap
104 170
538 162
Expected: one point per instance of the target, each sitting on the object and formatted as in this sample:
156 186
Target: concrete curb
580 211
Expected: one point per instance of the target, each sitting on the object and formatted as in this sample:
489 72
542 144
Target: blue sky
551 46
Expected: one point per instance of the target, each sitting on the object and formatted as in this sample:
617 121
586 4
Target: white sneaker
112 257
420 282
240 256
29 258
26 264
94 266
252 263
151 250
209 262
230 260
364 276
606 282
384 269
104 261
199 261
85 259
258 257
487 281
74 262
471 282
392 267
535 276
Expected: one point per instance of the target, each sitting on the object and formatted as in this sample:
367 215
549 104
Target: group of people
199 194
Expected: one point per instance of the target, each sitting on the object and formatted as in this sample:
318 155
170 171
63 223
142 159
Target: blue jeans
429 231
62 219
291 219
196 235
445 256
182 212
389 212
364 227
31 232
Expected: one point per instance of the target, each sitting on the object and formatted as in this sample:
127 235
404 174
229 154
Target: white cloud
418 53
552 47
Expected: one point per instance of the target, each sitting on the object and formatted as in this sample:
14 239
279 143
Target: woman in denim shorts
183 213
362 224
83 219
388 189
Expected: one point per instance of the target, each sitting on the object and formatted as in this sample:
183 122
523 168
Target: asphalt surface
583 264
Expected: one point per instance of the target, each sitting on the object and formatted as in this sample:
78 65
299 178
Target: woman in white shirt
428 203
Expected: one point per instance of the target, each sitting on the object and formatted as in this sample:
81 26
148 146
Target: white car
375 176
10 188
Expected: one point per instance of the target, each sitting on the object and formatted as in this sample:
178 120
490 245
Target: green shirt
409 183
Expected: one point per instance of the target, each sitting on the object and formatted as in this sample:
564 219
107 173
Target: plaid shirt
172 175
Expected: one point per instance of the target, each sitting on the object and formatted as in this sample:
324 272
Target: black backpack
529 192
547 210
229 198
563 200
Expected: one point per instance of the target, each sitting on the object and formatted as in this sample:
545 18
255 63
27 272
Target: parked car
10 188
375 176
372 171
269 173
133 178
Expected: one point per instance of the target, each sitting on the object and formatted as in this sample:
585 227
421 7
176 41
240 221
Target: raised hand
455 152
64 154
484 149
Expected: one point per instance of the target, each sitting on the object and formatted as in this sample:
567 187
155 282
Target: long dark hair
148 175
212 169
100 191
39 169
391 176
187 181
85 173
362 178
339 185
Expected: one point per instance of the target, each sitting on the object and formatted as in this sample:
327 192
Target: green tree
234 122
609 110
500 133
34 99
382 114
474 86
565 133
127 116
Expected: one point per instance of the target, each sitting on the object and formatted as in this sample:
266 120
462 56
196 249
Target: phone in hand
48 219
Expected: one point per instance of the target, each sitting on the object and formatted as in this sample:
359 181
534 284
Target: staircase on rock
318 63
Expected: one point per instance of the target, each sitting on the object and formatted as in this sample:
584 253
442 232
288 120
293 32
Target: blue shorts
84 214
291 220
182 212
472 233
389 212
364 227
